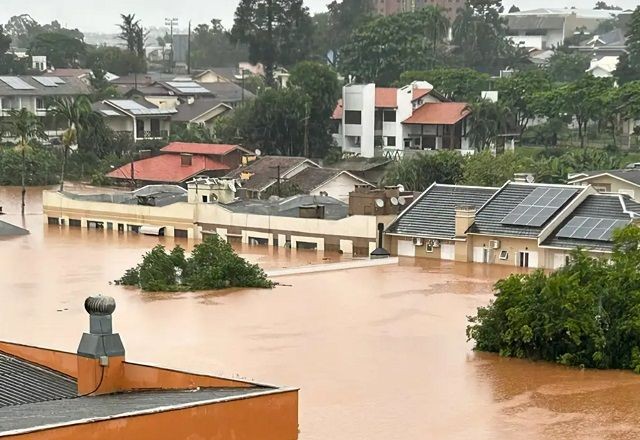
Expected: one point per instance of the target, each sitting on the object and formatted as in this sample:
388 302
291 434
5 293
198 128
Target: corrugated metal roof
23 383
434 214
489 218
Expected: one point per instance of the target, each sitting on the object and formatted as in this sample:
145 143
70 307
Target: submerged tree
586 314
213 264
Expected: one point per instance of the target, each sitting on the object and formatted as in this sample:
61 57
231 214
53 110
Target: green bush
213 264
586 314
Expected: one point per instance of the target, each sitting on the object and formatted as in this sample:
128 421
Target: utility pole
306 129
189 51
242 72
171 22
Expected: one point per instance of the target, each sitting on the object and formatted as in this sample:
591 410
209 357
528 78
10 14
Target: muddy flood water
378 353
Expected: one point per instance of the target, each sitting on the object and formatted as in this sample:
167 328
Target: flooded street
379 353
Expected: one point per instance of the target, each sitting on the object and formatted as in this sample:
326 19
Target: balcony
151 135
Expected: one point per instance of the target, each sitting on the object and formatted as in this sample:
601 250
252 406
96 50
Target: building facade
450 8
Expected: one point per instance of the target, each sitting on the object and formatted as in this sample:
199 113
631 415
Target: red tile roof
419 93
337 112
386 97
167 168
193 148
438 113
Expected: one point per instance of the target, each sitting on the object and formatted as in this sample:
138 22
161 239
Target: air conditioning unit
417 241
436 243
494 244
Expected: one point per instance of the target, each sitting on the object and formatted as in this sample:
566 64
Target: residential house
373 121
625 181
266 173
519 224
545 28
180 162
140 119
211 207
603 67
97 392
203 111
36 93
327 182
372 170
612 43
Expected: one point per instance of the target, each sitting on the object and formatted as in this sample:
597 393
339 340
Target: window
389 116
391 141
205 199
352 117
504 255
40 104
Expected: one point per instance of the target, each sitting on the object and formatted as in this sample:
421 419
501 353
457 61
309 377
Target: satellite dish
401 188
380 203
530 179
258 152
402 201
394 201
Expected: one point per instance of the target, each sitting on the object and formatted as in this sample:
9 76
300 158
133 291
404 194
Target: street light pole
171 22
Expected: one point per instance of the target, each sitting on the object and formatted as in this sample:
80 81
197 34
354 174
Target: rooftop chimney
380 252
100 353
465 217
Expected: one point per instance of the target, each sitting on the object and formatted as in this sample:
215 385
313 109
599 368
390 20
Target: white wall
362 98
339 188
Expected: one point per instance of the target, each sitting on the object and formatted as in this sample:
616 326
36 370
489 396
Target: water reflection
379 353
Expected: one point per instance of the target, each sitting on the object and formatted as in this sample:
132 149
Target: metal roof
433 214
34 87
489 218
24 383
290 207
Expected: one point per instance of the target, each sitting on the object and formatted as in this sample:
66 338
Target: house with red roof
371 121
179 162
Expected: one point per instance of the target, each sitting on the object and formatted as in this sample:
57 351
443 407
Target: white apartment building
381 121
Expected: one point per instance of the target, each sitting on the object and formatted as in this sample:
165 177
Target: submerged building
97 393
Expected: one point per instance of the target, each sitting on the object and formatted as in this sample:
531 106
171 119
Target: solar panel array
140 110
48 81
188 87
110 113
16 83
538 207
591 228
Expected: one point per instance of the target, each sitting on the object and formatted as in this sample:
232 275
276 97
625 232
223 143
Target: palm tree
26 126
75 112
488 121
436 28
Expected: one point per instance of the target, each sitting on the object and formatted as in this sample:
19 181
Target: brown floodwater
378 353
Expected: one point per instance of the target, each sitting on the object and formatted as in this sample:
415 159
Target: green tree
61 50
517 93
74 111
27 127
342 18
628 68
320 84
418 172
114 60
586 314
604 6
211 46
134 35
488 122
485 169
380 50
102 88
456 84
277 32
567 67
9 63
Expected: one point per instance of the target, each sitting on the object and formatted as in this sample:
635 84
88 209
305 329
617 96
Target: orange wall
271 417
138 376
66 363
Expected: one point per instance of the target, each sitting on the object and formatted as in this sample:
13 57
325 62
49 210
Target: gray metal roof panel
433 215
71 87
23 383
489 218
108 406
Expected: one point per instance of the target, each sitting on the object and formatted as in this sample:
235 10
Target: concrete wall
613 185
360 98
338 188
163 102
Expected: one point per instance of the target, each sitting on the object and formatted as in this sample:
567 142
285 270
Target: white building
603 67
373 121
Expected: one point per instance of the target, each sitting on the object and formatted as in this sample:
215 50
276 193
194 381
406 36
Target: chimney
186 159
100 353
465 217
144 154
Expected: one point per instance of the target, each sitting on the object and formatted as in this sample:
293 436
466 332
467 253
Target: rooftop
263 171
7 229
433 214
198 148
189 112
597 206
489 219
311 178
629 174
290 207
42 86
438 113
162 195
167 168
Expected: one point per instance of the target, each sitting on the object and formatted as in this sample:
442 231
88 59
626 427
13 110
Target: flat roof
71 411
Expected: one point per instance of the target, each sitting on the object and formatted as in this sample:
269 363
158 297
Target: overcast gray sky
102 16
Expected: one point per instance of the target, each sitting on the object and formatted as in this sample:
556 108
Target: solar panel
538 207
57 80
45 81
16 83
590 228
